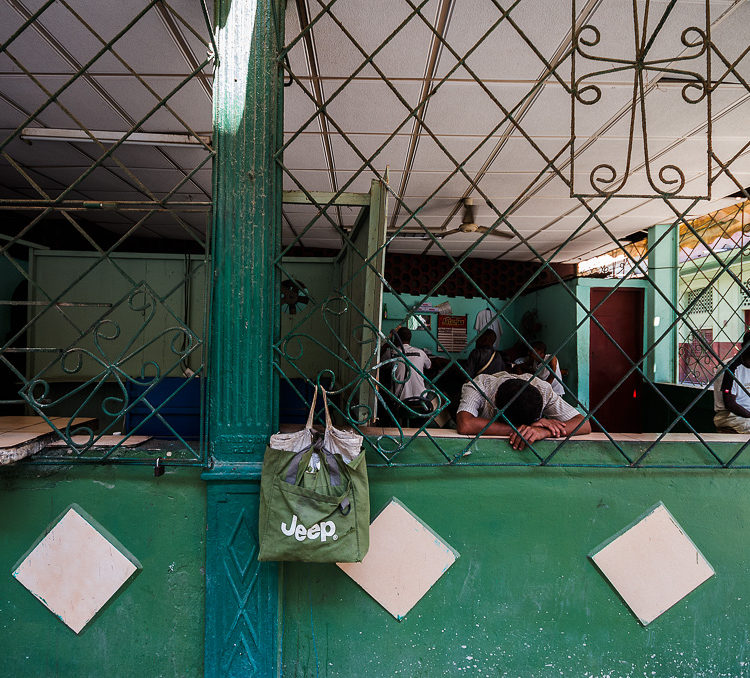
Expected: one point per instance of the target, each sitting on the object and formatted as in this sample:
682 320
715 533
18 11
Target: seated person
536 411
484 359
731 399
408 381
549 372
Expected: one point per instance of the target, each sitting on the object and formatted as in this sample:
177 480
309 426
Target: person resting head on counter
535 410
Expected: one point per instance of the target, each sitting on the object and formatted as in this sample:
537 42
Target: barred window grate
700 301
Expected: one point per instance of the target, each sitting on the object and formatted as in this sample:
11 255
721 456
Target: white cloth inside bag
335 440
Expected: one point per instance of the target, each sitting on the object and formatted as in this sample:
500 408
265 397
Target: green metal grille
331 336
105 204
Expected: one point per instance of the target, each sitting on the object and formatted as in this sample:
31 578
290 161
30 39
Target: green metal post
241 593
662 267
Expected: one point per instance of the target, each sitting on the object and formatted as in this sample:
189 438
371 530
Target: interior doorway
613 356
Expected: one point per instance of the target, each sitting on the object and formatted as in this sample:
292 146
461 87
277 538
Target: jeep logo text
321 530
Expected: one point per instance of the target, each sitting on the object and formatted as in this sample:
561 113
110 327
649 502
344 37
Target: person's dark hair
746 340
404 333
540 348
486 339
526 405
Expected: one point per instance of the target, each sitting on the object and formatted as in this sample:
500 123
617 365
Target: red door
621 315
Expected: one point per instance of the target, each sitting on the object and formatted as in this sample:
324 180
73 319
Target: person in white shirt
408 377
731 399
490 320
546 366
530 405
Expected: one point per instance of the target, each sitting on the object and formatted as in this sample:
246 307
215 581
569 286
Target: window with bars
449 160
506 168
105 205
700 301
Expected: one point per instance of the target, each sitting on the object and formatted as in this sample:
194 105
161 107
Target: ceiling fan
469 225
293 295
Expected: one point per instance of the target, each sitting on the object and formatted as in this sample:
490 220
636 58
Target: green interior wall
54 271
555 309
523 599
398 304
10 278
314 344
155 626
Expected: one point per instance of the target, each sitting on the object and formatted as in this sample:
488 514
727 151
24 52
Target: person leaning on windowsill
535 410
731 399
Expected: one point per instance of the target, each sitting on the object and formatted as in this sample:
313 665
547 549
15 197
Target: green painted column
241 593
662 268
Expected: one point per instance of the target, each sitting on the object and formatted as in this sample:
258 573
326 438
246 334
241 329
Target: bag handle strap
311 414
487 364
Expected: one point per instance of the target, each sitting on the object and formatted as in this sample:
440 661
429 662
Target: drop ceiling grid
431 165
544 23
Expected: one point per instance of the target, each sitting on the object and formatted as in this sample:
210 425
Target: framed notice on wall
451 333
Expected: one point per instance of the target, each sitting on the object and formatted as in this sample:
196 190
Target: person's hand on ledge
556 428
468 424
528 434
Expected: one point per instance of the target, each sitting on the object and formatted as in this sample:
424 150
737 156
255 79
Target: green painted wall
312 345
555 308
397 306
103 282
523 599
155 626
10 278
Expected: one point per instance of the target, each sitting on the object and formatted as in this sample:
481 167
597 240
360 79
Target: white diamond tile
652 564
75 569
404 561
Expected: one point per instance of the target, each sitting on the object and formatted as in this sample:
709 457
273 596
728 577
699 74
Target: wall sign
452 333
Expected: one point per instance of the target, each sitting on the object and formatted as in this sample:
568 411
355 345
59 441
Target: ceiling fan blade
451 232
498 234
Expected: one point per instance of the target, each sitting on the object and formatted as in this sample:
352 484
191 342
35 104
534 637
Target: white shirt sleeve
554 406
471 400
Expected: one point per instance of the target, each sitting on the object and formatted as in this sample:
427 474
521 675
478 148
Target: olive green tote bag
314 500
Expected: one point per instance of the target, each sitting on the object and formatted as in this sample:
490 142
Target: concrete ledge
713 437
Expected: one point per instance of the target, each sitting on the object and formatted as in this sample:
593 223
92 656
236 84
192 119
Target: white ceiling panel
137 101
504 54
545 208
99 179
84 105
466 109
160 181
190 102
731 44
74 37
503 187
31 53
151 30
28 96
424 184
460 113
300 112
306 151
372 106
370 24
431 157
10 116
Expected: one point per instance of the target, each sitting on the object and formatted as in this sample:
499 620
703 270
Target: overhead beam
321 198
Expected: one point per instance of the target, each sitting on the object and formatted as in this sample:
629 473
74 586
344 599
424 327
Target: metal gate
444 158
